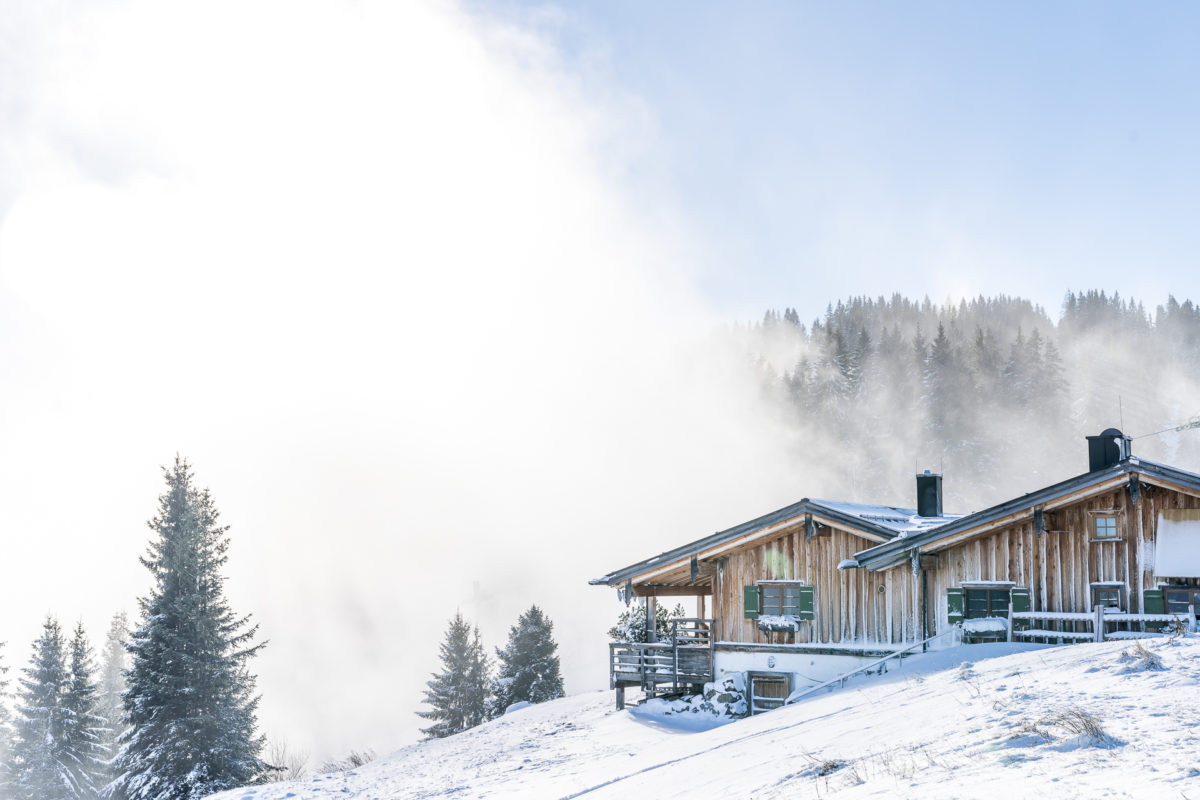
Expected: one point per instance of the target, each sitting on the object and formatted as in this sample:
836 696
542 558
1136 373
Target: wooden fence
685 659
1096 625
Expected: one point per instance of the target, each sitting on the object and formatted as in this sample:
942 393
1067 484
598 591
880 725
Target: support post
1098 623
620 696
675 655
1191 626
1010 620
651 622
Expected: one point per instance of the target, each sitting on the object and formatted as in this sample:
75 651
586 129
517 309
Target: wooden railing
1095 624
686 657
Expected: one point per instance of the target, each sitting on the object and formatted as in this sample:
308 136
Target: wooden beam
671 591
1024 513
778 529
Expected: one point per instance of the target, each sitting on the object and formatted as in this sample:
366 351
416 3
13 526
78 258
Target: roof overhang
667 569
1061 494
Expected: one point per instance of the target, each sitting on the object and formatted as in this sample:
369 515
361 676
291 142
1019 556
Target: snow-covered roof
882 523
902 521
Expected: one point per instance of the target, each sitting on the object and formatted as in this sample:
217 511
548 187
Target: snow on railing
686 657
1097 620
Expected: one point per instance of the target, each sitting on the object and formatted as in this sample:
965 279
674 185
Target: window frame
755 679
1108 587
1112 520
779 608
996 596
1193 593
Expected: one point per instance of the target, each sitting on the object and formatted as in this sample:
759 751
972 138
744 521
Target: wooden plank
672 591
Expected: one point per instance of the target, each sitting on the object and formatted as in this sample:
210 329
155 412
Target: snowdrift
1111 720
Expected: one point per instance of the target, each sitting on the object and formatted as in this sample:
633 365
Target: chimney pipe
1108 449
929 494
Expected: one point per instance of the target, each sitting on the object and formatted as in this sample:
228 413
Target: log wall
1059 566
848 604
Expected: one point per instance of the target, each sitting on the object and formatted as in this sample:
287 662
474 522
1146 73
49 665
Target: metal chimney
1109 448
929 494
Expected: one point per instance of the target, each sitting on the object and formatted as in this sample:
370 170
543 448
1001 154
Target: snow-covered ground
980 721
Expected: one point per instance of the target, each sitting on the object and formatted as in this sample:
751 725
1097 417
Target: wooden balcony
684 660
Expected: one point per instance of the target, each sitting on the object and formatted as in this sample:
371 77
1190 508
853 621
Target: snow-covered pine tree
38 771
114 660
528 665
6 727
631 623
190 703
458 695
83 754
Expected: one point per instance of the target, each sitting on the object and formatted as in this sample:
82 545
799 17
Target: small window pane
1105 527
780 599
976 603
1107 596
998 603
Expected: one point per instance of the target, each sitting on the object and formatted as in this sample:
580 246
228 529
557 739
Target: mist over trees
6 724
990 391
110 689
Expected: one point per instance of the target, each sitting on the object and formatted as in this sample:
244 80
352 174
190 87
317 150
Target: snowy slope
1011 726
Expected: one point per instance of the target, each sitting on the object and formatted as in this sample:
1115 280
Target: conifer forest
993 392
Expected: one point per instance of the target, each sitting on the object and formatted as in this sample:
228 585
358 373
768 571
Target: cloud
375 269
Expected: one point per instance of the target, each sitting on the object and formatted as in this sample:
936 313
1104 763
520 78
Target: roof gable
897 550
873 522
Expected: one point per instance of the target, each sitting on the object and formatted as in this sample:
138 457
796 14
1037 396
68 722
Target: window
1178 598
986 601
1109 595
1104 526
789 599
768 690
780 599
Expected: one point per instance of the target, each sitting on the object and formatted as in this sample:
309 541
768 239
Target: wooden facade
1061 564
849 605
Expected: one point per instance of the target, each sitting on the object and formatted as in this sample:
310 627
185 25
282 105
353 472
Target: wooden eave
1019 509
673 568
1025 514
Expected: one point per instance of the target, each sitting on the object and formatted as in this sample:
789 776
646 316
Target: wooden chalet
819 588
772 593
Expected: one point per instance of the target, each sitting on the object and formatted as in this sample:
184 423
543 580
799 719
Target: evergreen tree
458 695
39 771
83 753
631 624
6 727
528 664
114 660
190 703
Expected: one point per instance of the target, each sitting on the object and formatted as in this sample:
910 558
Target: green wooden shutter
1152 602
750 601
1020 599
1020 602
954 605
807 607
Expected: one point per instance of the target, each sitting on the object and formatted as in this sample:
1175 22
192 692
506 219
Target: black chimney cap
1108 449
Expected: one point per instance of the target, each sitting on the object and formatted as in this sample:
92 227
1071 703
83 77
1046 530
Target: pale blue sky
833 149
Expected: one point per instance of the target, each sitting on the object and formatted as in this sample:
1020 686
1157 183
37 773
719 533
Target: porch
662 668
